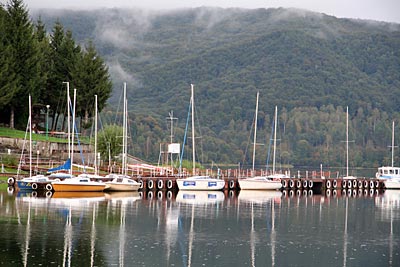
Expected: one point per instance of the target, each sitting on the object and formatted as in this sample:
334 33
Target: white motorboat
390 175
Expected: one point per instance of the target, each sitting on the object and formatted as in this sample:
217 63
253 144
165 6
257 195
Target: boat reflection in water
389 205
191 228
195 201
122 198
199 197
121 201
73 204
266 200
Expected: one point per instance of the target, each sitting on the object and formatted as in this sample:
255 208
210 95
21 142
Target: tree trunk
12 118
85 123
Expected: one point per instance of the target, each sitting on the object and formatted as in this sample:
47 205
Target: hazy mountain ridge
295 58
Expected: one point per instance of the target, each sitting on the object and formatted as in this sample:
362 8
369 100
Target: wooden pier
309 181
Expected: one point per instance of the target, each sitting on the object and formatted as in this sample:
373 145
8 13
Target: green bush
9 160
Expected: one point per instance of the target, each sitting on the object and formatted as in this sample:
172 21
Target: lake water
201 229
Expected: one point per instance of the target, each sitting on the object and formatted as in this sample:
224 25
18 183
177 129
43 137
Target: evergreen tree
64 53
43 44
91 78
23 54
7 77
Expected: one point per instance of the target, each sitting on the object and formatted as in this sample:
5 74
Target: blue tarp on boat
65 166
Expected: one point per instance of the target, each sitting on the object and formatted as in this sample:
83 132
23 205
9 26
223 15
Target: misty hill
303 62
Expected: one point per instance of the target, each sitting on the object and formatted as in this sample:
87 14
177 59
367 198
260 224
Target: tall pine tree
8 80
19 36
91 78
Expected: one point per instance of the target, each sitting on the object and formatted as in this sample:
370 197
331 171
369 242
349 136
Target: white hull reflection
200 197
390 199
122 198
77 200
257 196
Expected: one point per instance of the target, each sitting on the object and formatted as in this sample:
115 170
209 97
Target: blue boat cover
65 166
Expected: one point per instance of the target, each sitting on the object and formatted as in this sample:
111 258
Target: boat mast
275 126
73 133
347 141
68 121
95 135
193 141
124 134
255 132
30 136
392 142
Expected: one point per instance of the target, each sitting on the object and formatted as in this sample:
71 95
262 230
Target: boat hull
32 183
122 187
192 184
24 185
248 184
392 183
62 187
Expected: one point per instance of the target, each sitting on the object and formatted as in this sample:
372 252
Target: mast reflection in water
262 228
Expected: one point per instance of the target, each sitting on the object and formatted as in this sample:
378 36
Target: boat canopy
65 166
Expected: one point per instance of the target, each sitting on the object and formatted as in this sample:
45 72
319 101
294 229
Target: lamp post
47 122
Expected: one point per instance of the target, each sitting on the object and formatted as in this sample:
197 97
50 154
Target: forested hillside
310 65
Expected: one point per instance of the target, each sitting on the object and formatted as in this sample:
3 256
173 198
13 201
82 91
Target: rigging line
77 138
269 145
23 146
116 119
58 108
200 134
248 140
185 135
129 133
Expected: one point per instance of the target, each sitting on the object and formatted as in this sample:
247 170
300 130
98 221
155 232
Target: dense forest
41 64
310 65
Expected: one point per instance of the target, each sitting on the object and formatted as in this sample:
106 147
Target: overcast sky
381 10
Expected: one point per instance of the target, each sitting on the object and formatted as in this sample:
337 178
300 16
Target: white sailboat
80 183
122 182
390 174
271 182
275 175
33 181
199 182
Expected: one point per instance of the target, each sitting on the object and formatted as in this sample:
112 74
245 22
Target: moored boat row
80 183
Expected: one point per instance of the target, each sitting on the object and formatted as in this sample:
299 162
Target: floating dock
308 182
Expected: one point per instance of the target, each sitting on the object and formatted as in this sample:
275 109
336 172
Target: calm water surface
201 229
